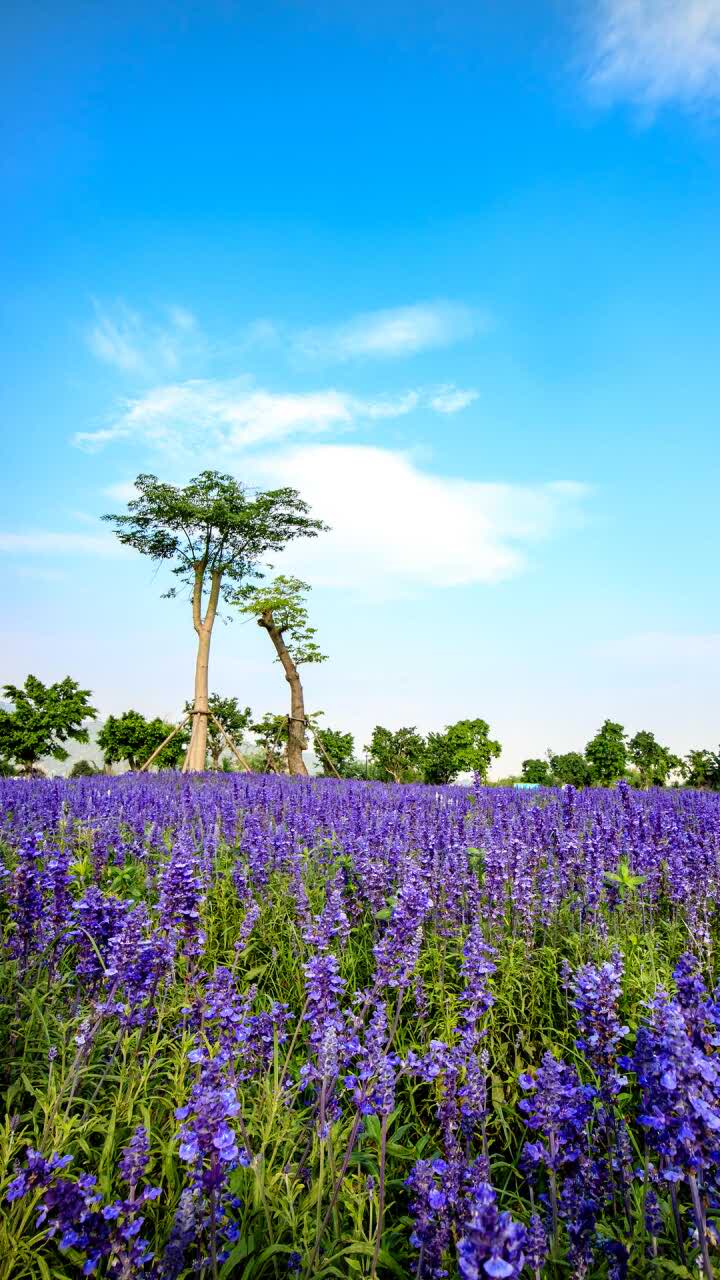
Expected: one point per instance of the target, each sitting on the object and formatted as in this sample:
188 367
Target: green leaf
673 1268
252 974
367 1250
372 1127
241 1250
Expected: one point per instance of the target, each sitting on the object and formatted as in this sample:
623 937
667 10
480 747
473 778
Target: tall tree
653 762
537 771
464 747
340 747
439 765
84 769
701 768
213 532
606 754
271 732
280 609
397 755
570 769
132 738
41 719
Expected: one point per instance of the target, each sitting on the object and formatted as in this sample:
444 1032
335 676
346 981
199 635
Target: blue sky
452 270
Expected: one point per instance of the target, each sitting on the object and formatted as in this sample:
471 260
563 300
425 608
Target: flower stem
381 1197
700 1221
336 1189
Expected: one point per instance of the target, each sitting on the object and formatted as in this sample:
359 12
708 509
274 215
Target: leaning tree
214 533
279 608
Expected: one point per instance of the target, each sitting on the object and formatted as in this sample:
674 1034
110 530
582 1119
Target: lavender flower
207 1142
181 896
134 1159
477 967
595 994
71 1211
324 986
492 1244
431 1231
558 1109
97 920
680 1092
208 1145
250 919
372 1082
242 1039
187 1226
56 888
26 901
536 1244
138 960
397 952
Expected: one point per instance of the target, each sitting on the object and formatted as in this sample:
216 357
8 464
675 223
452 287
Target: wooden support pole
164 743
246 766
319 743
272 767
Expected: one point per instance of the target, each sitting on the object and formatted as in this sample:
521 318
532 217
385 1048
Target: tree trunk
198 739
197 751
297 740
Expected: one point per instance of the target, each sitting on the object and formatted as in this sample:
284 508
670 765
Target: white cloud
46 542
399 331
395 527
126 339
666 648
452 399
229 416
655 51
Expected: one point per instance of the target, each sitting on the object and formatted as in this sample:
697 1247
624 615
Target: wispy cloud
420 529
126 339
666 648
170 340
654 51
229 416
452 399
389 334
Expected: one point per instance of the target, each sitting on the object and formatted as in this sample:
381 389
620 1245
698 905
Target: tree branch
215 583
200 567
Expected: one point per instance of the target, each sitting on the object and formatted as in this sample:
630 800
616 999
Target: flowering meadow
264 1027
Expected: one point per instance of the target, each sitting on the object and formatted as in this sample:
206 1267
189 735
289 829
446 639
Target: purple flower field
264 1027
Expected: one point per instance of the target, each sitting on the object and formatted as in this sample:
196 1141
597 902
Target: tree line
43 718
215 534
40 720
613 755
